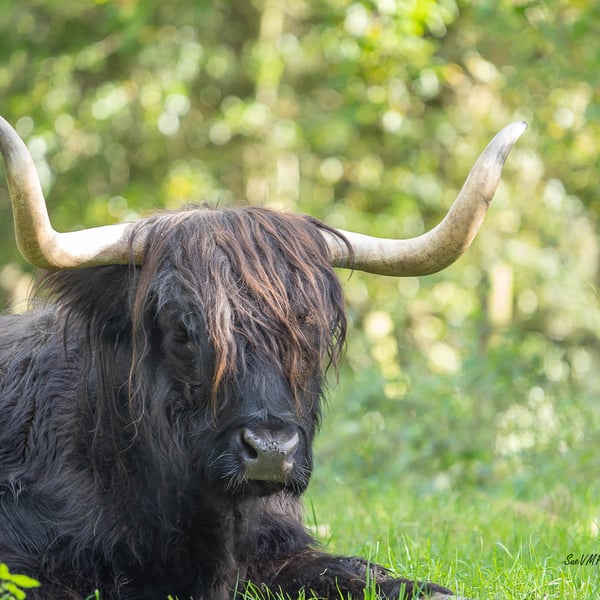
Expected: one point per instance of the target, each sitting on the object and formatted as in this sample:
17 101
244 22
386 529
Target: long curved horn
38 242
44 247
441 246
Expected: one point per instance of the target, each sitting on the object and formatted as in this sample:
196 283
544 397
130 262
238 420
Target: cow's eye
181 335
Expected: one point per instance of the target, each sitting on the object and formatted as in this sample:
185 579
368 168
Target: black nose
268 455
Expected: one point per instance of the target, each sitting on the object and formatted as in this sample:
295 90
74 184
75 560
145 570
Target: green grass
483 544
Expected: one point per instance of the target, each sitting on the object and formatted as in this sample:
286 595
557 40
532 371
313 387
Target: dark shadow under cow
157 413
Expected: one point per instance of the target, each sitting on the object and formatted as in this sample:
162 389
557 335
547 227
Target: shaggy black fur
122 399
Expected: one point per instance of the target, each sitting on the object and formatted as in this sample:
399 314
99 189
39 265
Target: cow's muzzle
268 455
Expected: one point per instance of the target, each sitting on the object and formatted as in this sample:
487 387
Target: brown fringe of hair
261 279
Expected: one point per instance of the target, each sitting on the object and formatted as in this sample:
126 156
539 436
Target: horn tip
502 143
514 131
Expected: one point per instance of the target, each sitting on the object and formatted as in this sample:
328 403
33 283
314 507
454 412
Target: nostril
248 446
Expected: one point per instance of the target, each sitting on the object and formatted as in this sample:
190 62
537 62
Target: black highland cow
157 413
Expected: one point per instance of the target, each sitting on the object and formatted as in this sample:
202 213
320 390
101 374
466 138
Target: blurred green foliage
367 114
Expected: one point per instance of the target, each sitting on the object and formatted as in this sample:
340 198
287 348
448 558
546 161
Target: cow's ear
95 299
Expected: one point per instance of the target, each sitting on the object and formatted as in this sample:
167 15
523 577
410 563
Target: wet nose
268 455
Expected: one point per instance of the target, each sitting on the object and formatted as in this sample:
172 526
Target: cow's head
234 315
